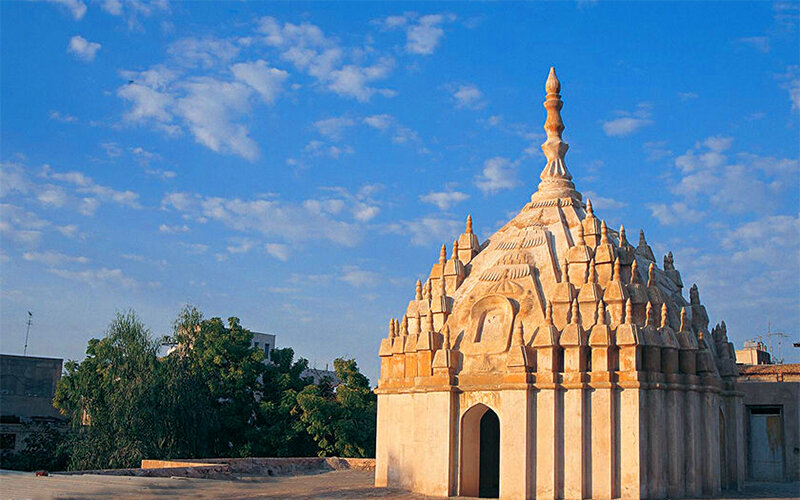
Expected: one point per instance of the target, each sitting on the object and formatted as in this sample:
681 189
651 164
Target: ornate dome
554 275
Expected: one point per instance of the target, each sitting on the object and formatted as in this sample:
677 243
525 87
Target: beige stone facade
557 360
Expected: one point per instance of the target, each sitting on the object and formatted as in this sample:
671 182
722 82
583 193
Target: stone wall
222 468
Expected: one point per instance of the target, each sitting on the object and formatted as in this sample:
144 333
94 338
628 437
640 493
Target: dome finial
664 315
552 85
418 295
455 250
556 181
469 225
443 254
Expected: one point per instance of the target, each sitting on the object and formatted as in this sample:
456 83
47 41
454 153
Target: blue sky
298 165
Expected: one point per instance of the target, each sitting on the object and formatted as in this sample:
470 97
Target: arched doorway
480 453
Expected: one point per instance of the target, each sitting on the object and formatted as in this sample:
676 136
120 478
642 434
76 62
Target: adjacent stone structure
557 360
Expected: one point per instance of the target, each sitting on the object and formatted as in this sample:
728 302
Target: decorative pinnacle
589 210
548 314
604 233
642 239
651 275
392 331
581 237
617 276
418 295
427 292
446 344
664 315
430 323
455 250
575 319
565 269
443 254
649 312
623 240
634 272
628 312
556 179
601 313
518 339
684 319
469 225
592 272
404 326
442 287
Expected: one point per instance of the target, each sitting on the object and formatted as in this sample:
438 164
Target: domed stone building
557 360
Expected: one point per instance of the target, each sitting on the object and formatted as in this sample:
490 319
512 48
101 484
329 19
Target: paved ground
345 484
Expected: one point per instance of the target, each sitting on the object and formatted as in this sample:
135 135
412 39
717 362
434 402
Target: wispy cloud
82 48
629 122
444 199
498 174
423 33
760 43
468 96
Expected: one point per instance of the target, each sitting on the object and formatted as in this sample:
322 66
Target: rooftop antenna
781 335
27 332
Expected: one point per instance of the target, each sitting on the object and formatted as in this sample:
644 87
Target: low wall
226 468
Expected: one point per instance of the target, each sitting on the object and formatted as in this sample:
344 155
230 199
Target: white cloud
206 52
82 48
277 250
113 7
603 202
75 7
86 195
468 96
674 213
656 150
97 277
163 228
399 133
687 96
760 43
629 122
444 199
427 231
65 118
267 81
333 128
240 245
324 59
791 82
423 33
52 258
359 278
498 174
210 107
313 219
194 248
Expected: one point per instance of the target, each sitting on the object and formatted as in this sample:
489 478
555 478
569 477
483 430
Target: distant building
772 420
317 376
753 353
27 388
264 341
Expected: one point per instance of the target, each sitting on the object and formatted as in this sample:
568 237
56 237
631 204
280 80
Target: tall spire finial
556 179
443 254
469 224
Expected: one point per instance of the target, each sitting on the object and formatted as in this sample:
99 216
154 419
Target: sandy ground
342 484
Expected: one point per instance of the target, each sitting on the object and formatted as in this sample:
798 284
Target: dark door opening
489 482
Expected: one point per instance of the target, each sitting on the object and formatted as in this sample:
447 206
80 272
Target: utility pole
27 332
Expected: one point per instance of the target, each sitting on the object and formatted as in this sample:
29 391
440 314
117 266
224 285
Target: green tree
219 362
341 421
116 391
284 435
